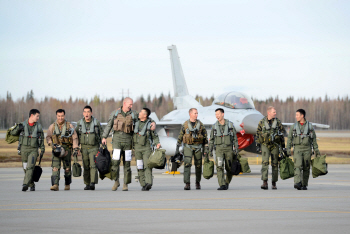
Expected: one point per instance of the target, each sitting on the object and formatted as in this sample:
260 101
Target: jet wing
313 124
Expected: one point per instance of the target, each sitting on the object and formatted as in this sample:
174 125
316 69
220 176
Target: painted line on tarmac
185 199
175 209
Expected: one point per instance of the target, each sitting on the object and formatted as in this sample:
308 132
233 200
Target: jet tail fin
182 99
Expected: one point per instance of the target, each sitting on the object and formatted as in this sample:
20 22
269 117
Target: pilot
144 140
270 135
223 139
194 136
89 132
123 122
62 138
302 137
31 138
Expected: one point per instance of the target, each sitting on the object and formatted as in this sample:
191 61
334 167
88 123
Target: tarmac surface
167 208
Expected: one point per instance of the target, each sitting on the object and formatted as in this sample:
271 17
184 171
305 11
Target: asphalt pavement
167 208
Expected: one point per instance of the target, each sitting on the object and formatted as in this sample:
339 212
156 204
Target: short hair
88 107
60 111
148 111
270 108
220 109
127 99
34 112
302 112
192 110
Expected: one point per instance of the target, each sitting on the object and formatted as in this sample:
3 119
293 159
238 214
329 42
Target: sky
261 48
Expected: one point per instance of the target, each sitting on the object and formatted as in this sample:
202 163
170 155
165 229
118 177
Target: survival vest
193 135
271 131
28 138
58 137
304 137
89 136
124 124
223 138
141 135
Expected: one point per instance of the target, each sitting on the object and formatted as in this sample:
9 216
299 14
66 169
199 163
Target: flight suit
194 137
53 136
30 140
270 136
89 135
223 138
123 127
142 139
302 143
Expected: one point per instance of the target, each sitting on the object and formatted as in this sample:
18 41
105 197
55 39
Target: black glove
177 149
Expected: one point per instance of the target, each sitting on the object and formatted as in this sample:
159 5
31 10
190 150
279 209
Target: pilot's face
142 114
271 114
35 117
219 115
194 114
128 105
60 117
87 114
299 116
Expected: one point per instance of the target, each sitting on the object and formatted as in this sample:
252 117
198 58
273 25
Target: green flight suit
193 149
89 142
270 140
143 149
223 140
302 151
121 141
67 165
31 139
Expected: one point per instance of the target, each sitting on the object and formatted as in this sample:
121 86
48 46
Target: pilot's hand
158 146
206 151
104 141
153 126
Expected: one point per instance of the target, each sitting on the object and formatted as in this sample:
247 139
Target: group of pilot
136 131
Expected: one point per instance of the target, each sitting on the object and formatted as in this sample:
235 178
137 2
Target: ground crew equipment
208 168
319 166
157 159
103 160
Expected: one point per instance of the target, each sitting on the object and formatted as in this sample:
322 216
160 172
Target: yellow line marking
175 209
186 199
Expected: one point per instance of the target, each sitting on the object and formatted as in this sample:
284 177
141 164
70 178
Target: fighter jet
239 109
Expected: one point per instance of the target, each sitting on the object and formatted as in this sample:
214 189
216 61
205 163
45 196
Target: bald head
127 104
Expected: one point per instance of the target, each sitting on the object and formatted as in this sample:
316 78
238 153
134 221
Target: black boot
297 186
274 185
32 188
24 187
187 186
144 188
92 186
87 187
222 187
304 188
227 185
148 187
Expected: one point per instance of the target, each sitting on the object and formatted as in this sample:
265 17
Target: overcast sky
262 48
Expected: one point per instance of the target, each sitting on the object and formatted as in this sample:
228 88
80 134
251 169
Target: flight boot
87 187
198 185
265 185
227 185
297 186
67 187
54 187
24 187
92 186
304 188
274 185
116 185
32 188
125 187
187 186
222 187
148 187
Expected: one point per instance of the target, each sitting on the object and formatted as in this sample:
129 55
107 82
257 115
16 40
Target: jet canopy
234 100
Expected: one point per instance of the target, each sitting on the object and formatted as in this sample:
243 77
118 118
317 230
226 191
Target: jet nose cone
251 123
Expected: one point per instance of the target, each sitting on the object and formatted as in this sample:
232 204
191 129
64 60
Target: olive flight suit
223 138
270 136
54 136
302 137
194 137
30 140
89 135
144 139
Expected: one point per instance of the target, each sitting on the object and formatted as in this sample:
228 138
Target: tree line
335 112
